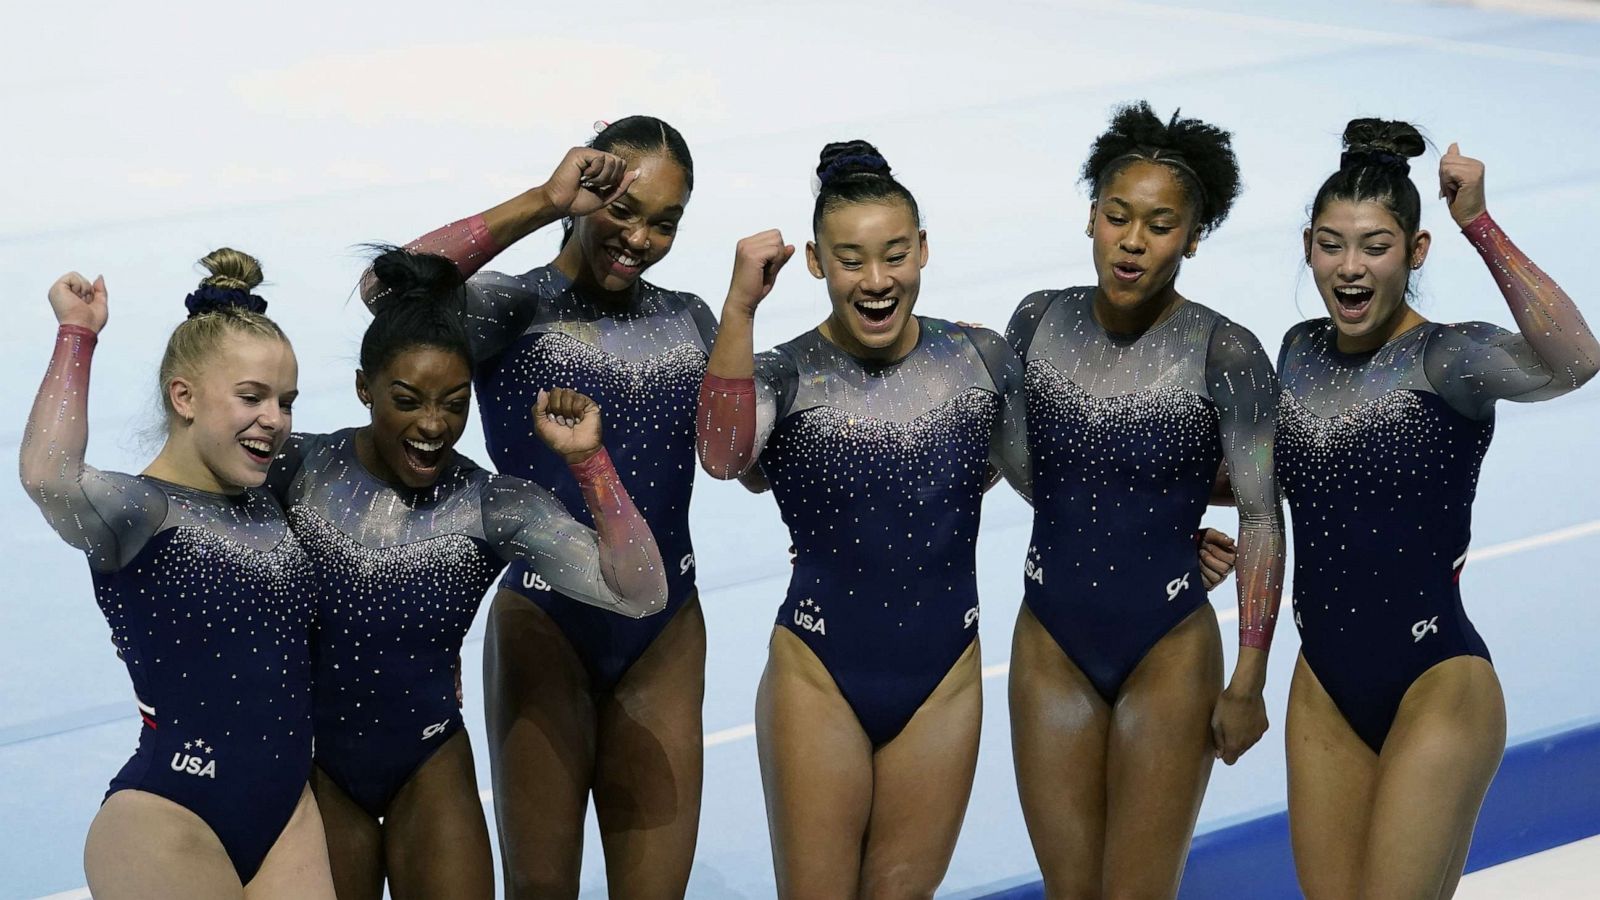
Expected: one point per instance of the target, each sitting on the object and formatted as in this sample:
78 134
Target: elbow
722 472
370 288
721 465
35 483
655 603
1586 370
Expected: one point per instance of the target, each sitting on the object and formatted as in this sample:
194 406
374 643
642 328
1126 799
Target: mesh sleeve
1008 445
1473 364
615 566
737 415
107 515
1245 390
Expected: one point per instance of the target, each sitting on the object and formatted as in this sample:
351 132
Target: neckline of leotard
240 497
1127 337
874 365
634 306
1364 355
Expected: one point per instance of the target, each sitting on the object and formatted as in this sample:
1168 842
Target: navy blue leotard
206 598
641 363
1126 433
399 574
879 471
1378 454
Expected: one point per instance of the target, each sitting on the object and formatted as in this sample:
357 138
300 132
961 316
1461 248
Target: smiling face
1143 222
238 409
871 255
419 402
611 248
1361 264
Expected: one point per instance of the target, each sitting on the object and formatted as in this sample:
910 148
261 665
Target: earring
1189 255
1089 232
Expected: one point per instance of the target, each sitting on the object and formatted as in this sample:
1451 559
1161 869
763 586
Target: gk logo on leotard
808 615
685 564
435 730
532 581
1423 628
971 617
195 763
1177 586
1031 570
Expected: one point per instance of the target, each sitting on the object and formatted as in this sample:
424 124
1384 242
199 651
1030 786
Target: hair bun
231 268
406 275
1381 143
843 158
233 274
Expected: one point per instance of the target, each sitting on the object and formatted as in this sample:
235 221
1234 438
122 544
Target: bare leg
436 842
648 770
816 769
1059 728
1436 765
355 842
145 847
1332 777
921 782
296 868
541 723
1159 759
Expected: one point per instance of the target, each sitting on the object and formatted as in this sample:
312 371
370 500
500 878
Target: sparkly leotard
879 471
400 574
1378 454
641 363
206 596
1127 432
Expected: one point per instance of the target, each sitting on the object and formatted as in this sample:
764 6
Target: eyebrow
1158 211
415 390
858 248
629 195
1364 236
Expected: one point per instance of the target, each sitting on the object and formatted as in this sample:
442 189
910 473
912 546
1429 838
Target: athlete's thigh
1332 777
816 772
1436 765
1059 727
296 868
145 847
921 782
436 842
1159 757
541 723
355 841
649 760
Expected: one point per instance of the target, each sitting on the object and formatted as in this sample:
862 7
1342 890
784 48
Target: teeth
624 258
1351 291
258 446
877 304
425 446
